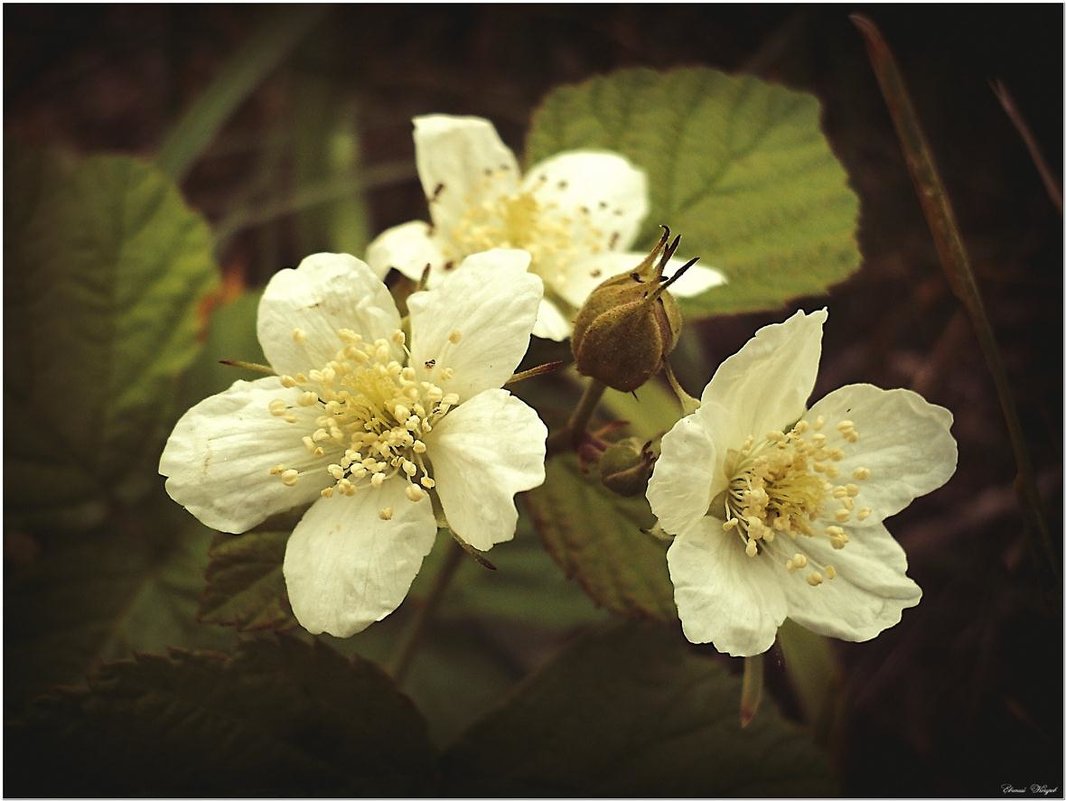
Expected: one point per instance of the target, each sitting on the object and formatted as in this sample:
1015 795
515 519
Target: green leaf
245 586
633 712
105 267
738 166
75 600
595 536
280 718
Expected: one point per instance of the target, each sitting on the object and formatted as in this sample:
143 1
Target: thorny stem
401 662
955 261
574 432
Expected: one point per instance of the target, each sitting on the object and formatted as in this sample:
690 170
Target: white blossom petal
867 595
723 596
684 479
765 385
483 452
551 322
302 310
218 458
409 248
601 197
461 162
346 567
476 322
903 441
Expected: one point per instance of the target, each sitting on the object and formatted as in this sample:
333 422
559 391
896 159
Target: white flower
576 213
369 430
777 511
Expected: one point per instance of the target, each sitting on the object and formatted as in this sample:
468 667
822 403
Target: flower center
528 221
374 413
784 483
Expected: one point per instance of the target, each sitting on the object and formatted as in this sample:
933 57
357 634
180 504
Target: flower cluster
387 428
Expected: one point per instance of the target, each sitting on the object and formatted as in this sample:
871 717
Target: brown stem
956 264
401 662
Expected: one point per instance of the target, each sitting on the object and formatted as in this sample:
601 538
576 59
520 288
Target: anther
830 572
385 513
455 336
299 336
288 381
307 399
414 493
865 512
289 477
377 480
861 473
814 579
751 549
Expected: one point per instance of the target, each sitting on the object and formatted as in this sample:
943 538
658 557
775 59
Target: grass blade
282 30
956 263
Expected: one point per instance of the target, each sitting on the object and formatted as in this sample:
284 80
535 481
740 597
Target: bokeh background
965 695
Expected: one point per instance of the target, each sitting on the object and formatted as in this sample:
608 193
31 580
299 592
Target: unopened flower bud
626 466
630 323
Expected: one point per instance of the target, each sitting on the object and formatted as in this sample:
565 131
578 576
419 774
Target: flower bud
626 466
630 323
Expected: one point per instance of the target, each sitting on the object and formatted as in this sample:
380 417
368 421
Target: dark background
966 694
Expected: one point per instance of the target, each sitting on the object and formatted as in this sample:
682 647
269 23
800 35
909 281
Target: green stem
751 689
579 419
955 261
688 403
401 662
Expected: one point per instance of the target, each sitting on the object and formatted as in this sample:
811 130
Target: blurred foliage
277 718
665 720
105 269
738 166
76 600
